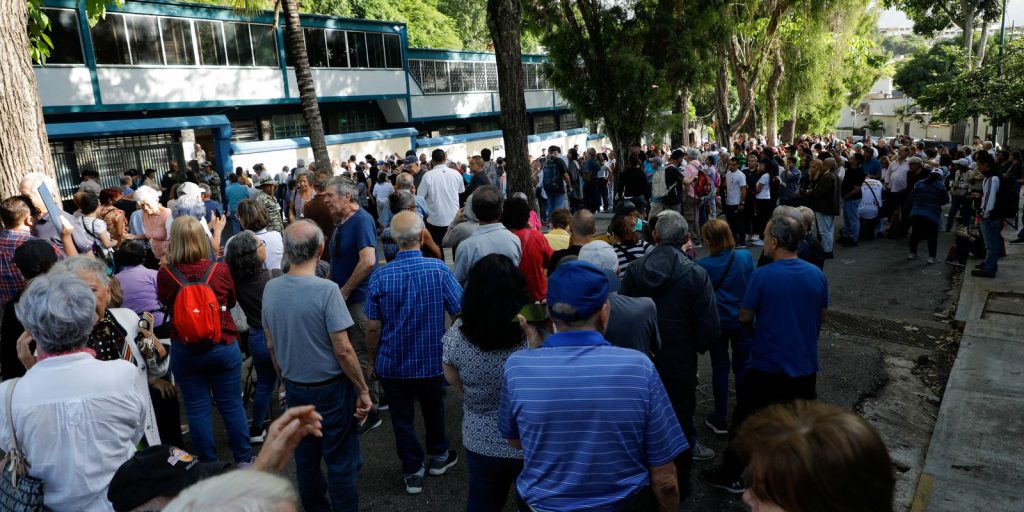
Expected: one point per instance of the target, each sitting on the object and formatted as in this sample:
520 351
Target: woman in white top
763 205
253 216
77 418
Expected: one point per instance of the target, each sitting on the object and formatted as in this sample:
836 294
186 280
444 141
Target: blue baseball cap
576 291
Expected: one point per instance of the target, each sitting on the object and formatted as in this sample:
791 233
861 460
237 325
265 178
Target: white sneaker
702 452
912 256
932 261
757 243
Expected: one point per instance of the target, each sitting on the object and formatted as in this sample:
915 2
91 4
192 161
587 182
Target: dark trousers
924 229
762 212
490 478
737 223
643 500
759 390
961 205
167 412
402 396
437 233
338 448
738 339
602 193
682 395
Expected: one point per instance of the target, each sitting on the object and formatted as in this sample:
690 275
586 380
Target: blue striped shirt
592 418
410 296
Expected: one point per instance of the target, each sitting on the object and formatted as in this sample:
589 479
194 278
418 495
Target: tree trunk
23 142
772 96
620 143
504 19
686 117
723 131
307 87
969 35
982 44
789 127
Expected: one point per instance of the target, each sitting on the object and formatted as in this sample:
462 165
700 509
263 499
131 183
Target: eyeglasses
260 243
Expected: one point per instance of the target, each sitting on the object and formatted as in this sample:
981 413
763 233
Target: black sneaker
717 426
829 255
414 483
717 479
983 273
372 421
439 467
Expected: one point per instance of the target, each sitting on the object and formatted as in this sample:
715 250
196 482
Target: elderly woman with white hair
77 418
154 221
119 333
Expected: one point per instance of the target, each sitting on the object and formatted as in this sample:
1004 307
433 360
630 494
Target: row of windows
436 76
134 40
346 49
290 126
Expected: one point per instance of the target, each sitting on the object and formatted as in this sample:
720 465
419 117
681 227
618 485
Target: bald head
407 230
583 226
303 241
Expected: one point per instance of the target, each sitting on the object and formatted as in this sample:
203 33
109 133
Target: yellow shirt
558 239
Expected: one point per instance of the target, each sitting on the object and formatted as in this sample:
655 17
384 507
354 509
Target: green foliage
927 67
428 26
933 16
903 44
39 43
980 91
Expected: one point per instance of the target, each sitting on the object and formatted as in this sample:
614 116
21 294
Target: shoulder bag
728 266
18 491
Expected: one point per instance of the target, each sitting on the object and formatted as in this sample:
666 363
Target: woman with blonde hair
202 365
729 270
154 221
809 456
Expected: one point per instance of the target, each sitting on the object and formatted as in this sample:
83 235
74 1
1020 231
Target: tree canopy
979 92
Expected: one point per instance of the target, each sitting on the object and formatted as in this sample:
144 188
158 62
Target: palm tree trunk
307 87
772 93
504 19
23 142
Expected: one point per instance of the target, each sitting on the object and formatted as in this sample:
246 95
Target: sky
894 18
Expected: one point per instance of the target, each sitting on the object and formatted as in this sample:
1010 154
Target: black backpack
551 179
1007 198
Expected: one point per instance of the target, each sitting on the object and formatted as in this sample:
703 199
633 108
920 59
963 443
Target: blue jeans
490 478
826 229
219 368
402 396
555 202
266 377
338 448
990 229
738 339
851 219
236 226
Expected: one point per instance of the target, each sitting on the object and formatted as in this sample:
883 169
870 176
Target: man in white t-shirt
735 199
440 188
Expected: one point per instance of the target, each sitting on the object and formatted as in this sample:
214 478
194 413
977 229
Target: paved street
882 354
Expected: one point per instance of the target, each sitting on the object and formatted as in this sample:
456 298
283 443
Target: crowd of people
575 352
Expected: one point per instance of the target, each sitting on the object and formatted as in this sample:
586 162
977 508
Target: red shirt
536 257
223 287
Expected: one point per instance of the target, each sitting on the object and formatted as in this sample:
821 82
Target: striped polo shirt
593 419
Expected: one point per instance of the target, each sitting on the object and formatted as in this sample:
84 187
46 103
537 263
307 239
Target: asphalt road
874 280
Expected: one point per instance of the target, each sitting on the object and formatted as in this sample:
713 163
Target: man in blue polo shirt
784 306
594 422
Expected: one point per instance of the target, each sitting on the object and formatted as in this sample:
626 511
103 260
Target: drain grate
841 322
1004 303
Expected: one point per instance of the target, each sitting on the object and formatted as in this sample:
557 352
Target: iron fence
112 156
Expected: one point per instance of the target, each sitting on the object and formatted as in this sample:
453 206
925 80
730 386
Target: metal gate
112 156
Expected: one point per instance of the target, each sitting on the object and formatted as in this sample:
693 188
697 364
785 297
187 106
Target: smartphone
535 313
51 207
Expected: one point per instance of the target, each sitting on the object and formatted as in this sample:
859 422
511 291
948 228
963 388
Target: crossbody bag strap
728 266
15 460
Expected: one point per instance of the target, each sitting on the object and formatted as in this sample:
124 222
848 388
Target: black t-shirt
250 296
634 182
673 180
852 181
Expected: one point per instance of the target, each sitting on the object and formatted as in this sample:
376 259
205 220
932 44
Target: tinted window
337 52
392 51
239 48
109 42
375 49
264 44
316 47
67 46
357 50
429 82
145 40
178 47
492 76
211 43
441 76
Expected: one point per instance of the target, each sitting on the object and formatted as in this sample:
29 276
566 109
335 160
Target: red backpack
196 314
702 184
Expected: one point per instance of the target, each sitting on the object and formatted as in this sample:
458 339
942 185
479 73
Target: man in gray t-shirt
305 322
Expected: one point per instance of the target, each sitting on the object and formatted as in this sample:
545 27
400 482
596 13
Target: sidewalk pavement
974 459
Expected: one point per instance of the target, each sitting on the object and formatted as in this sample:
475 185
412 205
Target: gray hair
404 181
237 491
83 265
59 310
807 216
408 237
320 182
400 201
788 211
345 187
787 231
692 154
915 160
301 245
146 194
672 228
188 206
32 180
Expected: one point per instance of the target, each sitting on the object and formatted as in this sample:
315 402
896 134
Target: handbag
18 491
